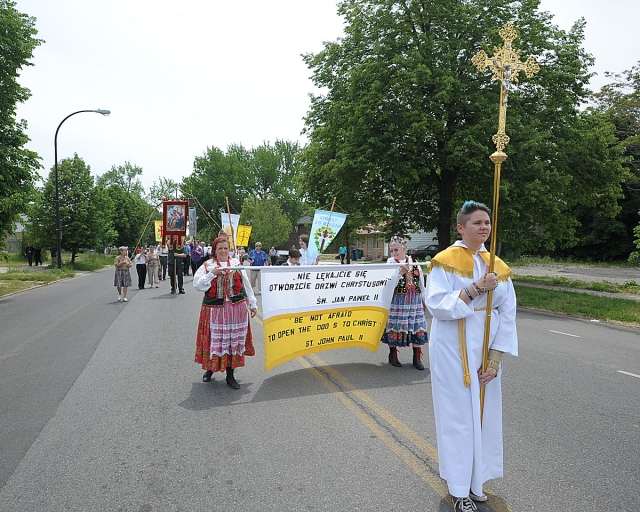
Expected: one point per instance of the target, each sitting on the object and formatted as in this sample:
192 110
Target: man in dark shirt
177 258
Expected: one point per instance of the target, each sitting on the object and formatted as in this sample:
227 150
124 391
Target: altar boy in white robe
458 279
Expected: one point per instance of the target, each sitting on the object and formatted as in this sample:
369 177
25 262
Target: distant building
13 241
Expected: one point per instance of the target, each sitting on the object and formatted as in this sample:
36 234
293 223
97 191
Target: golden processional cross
505 66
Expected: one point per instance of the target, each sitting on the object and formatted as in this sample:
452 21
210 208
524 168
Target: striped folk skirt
224 336
407 324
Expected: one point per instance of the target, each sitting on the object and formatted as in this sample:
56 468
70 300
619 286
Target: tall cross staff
505 66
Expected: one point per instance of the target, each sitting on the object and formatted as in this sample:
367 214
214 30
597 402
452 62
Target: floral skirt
122 278
406 324
224 336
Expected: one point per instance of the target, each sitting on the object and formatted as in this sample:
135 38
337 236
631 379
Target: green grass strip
41 276
599 286
580 304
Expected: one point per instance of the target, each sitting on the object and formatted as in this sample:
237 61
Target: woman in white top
308 255
163 253
141 267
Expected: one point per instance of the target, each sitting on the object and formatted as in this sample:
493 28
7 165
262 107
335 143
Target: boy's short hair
468 208
294 253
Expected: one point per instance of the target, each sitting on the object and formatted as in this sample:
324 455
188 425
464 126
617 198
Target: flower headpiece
397 240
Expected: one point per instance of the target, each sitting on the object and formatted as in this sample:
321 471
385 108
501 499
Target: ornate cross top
505 66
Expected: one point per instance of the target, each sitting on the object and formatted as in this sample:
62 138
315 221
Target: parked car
422 251
283 256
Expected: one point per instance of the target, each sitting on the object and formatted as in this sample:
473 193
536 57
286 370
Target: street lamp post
55 145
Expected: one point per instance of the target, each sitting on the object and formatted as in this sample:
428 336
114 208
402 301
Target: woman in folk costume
224 331
470 453
407 324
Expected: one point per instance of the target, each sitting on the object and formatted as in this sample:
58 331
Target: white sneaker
119 298
125 299
475 497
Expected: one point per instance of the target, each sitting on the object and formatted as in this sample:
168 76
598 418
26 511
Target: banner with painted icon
192 224
312 309
174 222
324 229
230 226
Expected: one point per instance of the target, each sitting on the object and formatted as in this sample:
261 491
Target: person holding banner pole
407 324
308 255
469 445
224 331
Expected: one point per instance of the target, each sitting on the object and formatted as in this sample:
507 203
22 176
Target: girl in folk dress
407 324
224 331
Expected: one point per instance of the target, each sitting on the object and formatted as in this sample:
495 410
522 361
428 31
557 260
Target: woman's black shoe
231 381
207 376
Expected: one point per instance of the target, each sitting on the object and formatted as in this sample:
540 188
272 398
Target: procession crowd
463 364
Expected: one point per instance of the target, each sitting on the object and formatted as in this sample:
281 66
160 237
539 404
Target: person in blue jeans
257 258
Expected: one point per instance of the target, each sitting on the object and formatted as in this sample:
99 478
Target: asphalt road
103 409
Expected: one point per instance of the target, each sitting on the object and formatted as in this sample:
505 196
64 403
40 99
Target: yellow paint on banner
293 335
158 228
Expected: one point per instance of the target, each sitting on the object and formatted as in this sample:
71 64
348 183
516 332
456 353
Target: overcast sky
181 76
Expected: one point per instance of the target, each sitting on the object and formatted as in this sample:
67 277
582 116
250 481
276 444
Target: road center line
406 455
631 374
565 334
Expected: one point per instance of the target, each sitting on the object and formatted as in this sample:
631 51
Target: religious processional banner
309 309
324 229
158 230
228 226
192 224
242 235
174 222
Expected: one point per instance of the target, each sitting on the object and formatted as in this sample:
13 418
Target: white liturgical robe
468 454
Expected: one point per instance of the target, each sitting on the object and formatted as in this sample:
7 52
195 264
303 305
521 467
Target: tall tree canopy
269 224
620 102
403 133
18 166
125 176
85 210
265 172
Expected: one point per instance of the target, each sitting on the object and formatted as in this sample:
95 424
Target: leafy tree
165 188
126 176
130 217
18 165
85 210
266 172
403 133
215 177
269 224
620 102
